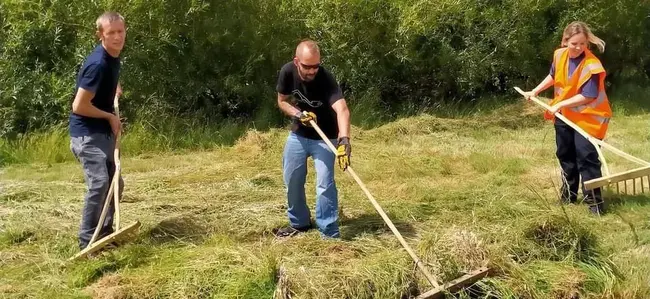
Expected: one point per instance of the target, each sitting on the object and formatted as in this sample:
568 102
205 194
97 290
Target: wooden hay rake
439 289
624 181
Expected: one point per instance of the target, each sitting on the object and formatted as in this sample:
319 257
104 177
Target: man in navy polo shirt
93 124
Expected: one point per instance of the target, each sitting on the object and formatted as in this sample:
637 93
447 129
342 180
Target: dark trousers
578 159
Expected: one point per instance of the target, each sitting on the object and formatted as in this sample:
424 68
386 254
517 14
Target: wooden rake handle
595 141
591 139
118 166
381 212
114 189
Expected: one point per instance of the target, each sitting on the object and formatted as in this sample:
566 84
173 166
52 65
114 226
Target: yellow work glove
305 117
343 151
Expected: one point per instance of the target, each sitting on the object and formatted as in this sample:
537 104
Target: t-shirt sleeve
284 81
90 77
590 88
335 91
552 72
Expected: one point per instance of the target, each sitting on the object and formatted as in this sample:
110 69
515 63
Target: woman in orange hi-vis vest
578 78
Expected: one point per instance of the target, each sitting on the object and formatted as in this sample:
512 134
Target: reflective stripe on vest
593 104
590 69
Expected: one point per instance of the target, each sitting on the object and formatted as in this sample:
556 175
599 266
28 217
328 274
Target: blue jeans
95 152
296 151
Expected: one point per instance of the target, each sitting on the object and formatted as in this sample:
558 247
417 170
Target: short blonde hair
578 27
110 17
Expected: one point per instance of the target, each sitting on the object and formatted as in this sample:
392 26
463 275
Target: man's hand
304 118
118 91
116 124
343 152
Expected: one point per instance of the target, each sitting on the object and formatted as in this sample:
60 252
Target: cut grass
464 192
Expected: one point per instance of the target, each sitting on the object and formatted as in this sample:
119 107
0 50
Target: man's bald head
307 59
307 48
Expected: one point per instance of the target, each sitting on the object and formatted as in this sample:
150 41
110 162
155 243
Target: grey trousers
95 153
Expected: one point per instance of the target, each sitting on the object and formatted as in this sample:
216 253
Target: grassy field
480 190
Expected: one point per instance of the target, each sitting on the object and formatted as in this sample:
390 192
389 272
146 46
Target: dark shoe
104 234
110 246
290 231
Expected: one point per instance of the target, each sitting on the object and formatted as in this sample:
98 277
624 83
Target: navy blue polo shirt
590 88
99 74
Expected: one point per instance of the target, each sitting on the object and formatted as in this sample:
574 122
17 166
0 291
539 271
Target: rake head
627 181
632 182
119 236
456 284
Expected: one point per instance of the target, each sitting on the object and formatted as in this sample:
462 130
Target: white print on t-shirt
304 99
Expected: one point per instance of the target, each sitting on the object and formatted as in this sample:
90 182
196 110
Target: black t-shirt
99 74
315 96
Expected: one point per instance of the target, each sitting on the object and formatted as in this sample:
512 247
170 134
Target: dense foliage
219 59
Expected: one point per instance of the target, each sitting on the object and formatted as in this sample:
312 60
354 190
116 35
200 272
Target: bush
219 59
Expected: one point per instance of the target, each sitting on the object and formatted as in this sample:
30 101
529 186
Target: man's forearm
88 110
343 119
288 109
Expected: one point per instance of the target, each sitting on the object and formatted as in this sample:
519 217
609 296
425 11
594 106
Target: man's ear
98 33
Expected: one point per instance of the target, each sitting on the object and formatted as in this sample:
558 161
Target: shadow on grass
372 224
187 229
616 202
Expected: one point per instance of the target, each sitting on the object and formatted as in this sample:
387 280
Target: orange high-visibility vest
593 117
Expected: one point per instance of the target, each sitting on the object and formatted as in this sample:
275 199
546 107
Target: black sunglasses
310 67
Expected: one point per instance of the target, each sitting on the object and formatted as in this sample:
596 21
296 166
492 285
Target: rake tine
642 188
627 187
630 188
618 191
633 186
593 194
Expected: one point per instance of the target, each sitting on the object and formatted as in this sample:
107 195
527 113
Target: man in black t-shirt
93 124
317 96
